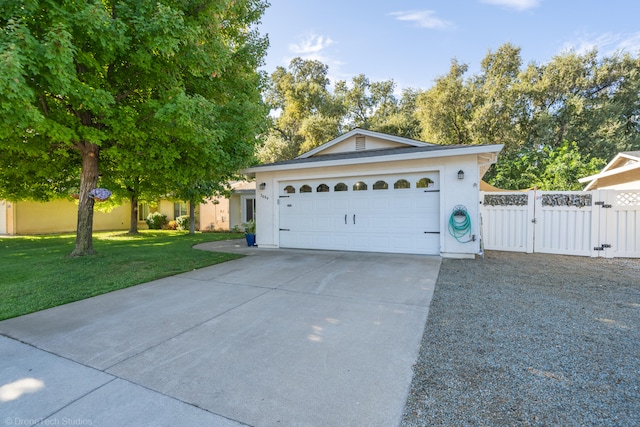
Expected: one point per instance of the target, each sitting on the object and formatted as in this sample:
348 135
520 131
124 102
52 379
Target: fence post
531 221
608 231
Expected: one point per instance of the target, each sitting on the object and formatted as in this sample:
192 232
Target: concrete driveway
280 337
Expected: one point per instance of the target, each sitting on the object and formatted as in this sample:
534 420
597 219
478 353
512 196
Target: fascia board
611 172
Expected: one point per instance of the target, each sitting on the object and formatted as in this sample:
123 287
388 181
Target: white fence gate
587 223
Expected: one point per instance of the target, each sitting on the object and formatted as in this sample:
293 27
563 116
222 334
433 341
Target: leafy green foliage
591 100
547 169
151 97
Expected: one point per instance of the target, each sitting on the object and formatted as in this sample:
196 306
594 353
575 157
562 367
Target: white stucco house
368 191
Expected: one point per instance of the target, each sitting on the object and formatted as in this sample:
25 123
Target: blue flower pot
251 239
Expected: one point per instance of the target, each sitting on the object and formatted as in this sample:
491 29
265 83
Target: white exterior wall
453 192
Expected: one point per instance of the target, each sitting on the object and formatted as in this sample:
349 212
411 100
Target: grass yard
36 272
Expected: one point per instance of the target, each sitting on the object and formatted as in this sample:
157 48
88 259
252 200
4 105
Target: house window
143 211
341 186
322 188
359 186
249 209
401 183
289 189
425 183
180 209
380 185
305 189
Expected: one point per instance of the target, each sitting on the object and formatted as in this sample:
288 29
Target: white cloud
515 4
315 47
423 18
310 45
606 44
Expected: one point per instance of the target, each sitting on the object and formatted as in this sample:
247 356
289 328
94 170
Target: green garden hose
460 224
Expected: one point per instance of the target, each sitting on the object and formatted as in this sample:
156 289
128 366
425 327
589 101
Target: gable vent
360 143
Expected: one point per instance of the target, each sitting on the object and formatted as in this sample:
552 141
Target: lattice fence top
574 200
506 199
628 198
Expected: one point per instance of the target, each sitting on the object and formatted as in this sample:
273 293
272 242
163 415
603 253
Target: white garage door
391 213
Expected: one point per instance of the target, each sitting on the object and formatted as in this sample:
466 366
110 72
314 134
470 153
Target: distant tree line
558 121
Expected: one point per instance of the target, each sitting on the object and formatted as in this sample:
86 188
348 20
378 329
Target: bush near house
183 222
156 220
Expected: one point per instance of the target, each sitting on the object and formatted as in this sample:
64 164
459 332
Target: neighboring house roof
622 163
243 187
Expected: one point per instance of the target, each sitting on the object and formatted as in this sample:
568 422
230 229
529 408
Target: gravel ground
530 340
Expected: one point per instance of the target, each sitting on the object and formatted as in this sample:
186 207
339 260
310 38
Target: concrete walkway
280 337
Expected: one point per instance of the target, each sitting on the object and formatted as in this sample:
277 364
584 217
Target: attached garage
379 213
372 192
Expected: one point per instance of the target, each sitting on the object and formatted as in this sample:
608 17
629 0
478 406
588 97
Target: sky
414 41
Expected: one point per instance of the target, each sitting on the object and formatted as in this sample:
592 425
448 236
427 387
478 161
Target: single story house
621 173
369 191
60 216
222 213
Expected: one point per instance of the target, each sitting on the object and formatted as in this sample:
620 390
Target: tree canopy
558 121
149 97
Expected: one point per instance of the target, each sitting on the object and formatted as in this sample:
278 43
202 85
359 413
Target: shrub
250 227
155 220
183 222
172 225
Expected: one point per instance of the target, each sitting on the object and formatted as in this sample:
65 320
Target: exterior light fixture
263 185
460 174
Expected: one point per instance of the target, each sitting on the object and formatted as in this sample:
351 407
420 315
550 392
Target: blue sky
413 41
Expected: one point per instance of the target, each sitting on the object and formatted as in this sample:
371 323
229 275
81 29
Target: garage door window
289 189
425 183
359 186
401 184
322 188
380 185
305 189
341 186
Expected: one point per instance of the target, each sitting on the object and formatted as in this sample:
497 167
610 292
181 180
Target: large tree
445 110
170 83
305 111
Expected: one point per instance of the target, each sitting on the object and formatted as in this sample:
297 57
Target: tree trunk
133 222
88 181
192 217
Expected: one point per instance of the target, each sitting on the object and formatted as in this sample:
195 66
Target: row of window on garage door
400 184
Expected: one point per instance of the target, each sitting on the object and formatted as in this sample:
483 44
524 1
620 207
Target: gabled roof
382 155
623 162
363 132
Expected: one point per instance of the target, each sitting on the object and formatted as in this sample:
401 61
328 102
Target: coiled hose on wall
460 224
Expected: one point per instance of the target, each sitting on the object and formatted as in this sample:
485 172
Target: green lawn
37 273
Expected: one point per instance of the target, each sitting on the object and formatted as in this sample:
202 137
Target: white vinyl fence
600 223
